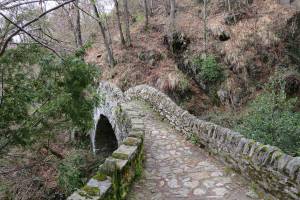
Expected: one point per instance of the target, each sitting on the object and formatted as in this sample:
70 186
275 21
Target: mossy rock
119 155
130 141
91 191
100 176
136 134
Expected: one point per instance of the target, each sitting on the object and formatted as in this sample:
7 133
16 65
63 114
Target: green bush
208 69
42 92
69 172
183 83
138 17
271 120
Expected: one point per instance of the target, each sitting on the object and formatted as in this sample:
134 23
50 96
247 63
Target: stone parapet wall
116 174
275 171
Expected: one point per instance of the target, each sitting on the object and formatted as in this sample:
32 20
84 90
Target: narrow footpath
178 169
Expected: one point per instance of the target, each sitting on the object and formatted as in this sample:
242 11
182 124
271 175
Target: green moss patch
91 191
119 155
100 176
131 141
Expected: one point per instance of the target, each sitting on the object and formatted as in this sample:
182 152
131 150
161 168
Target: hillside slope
253 49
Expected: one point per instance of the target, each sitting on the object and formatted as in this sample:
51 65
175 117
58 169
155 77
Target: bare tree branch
29 34
7 7
28 23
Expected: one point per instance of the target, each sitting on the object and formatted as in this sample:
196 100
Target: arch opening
105 139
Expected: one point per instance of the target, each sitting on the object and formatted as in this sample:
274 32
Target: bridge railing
115 175
277 172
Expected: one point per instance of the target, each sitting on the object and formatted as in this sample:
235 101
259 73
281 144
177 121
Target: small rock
173 183
161 183
199 192
191 184
252 194
220 191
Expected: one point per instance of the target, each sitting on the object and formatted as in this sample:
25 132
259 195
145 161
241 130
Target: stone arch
112 98
105 138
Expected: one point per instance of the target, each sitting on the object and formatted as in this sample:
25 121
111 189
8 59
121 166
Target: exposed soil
248 51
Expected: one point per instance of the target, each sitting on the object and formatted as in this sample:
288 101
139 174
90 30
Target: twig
28 23
22 29
3 7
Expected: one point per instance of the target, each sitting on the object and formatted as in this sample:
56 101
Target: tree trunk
78 26
2 86
146 14
72 26
106 42
151 7
167 7
205 26
108 34
126 11
119 22
172 17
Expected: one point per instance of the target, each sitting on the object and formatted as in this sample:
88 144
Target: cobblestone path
177 169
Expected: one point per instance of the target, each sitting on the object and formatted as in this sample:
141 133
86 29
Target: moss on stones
91 191
119 155
100 176
131 141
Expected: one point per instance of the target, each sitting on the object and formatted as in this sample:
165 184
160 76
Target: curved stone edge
277 172
116 174
111 97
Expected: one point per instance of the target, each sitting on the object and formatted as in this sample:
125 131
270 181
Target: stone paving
177 169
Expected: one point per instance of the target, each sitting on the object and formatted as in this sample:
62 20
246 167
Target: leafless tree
151 7
127 29
67 12
172 17
22 27
205 25
167 5
103 32
146 14
78 26
119 22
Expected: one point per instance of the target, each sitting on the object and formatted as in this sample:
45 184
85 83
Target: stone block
137 121
125 152
104 186
132 141
282 162
136 134
292 167
241 146
108 167
118 163
80 195
137 127
248 146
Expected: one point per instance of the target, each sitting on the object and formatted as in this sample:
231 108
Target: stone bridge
159 151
